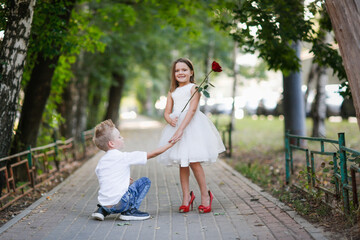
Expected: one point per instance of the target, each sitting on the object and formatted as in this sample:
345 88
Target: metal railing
342 160
24 172
226 133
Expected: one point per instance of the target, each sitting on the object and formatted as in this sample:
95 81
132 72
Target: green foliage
3 14
257 72
142 44
81 36
258 173
54 36
271 27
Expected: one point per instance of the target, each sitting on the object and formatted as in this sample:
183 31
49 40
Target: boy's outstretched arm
159 150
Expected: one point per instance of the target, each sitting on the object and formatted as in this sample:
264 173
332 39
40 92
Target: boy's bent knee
145 180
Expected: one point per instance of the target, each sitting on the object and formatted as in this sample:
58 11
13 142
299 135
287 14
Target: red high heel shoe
203 209
184 208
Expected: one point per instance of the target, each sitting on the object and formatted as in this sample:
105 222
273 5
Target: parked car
251 106
335 104
221 108
267 106
279 109
347 108
333 100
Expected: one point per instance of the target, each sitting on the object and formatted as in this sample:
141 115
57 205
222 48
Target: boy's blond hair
103 134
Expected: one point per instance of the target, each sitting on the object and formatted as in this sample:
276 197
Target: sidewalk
241 210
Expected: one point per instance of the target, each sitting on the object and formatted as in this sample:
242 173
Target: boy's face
118 140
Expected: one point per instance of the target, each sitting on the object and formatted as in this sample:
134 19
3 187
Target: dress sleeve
136 157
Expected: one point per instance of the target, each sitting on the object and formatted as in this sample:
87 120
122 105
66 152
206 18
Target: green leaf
206 93
217 214
123 224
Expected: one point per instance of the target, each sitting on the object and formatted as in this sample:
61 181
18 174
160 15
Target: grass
258 146
269 132
258 153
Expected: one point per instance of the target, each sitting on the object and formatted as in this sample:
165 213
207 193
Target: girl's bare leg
200 178
184 180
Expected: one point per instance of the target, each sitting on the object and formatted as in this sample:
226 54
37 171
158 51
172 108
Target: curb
28 210
316 233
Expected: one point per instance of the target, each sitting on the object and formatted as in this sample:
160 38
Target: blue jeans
133 197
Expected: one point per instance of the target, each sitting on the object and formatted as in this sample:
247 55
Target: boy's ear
110 144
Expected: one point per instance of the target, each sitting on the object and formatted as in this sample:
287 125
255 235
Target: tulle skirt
200 142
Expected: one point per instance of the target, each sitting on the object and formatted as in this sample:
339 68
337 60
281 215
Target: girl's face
182 73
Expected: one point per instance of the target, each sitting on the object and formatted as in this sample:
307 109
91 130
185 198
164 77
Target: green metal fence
342 187
24 172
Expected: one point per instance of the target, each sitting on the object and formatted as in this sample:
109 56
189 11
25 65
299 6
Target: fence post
308 168
336 171
30 162
56 154
29 157
229 141
83 144
343 171
287 157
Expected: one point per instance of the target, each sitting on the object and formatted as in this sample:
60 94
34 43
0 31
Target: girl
199 140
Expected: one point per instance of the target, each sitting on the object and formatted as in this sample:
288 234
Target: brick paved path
241 210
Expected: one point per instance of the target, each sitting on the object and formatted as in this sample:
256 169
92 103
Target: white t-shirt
113 173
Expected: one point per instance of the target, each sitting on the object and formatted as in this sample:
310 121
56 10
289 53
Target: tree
143 43
50 28
345 18
59 34
13 54
273 29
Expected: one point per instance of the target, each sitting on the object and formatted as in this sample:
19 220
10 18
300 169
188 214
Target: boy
113 172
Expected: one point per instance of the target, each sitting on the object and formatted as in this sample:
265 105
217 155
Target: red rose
216 67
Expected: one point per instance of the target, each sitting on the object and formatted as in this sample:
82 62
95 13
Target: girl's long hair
174 83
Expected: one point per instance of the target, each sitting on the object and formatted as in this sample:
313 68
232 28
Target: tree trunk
67 109
236 70
82 86
13 54
207 65
319 111
345 19
312 75
115 95
149 106
74 102
36 95
94 106
294 110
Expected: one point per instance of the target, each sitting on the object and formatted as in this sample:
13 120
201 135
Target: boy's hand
131 181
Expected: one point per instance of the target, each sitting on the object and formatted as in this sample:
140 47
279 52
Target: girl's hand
131 181
173 121
177 136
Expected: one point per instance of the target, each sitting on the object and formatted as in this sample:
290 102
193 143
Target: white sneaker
98 216
100 213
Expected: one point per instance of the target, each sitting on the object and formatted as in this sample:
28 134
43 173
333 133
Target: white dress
200 141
